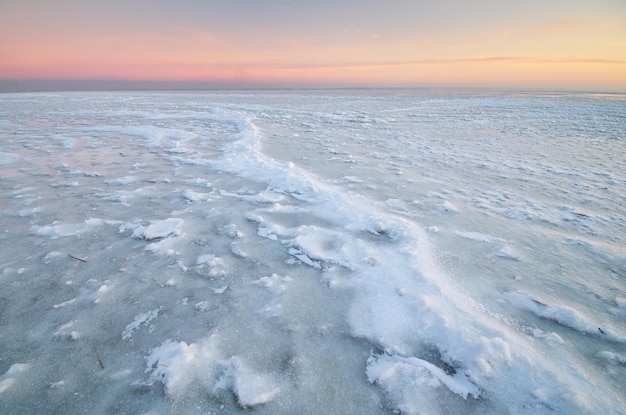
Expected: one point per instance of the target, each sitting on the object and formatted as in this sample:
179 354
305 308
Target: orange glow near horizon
573 52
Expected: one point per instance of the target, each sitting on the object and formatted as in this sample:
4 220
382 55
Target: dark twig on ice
77 258
99 358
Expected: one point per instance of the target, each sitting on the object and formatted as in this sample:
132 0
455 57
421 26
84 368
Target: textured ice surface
313 252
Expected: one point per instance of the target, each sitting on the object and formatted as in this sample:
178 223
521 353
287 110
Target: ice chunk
251 388
561 314
192 196
180 365
508 252
67 331
410 382
9 378
477 236
447 206
612 357
161 229
164 247
217 265
386 367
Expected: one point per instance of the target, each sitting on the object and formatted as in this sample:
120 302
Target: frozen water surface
338 252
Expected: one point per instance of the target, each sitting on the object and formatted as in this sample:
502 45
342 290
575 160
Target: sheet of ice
296 252
7 158
58 230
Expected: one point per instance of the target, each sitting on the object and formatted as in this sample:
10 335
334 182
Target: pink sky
555 44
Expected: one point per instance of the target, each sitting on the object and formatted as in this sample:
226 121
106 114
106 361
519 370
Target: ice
192 196
612 357
447 206
9 377
124 181
384 367
477 236
563 315
142 319
7 158
65 331
59 230
65 303
157 229
508 252
384 251
216 265
182 367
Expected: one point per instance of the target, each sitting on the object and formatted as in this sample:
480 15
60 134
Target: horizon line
119 85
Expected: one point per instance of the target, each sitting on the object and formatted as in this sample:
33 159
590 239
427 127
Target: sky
560 44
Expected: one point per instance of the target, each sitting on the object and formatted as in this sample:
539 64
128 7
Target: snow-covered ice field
328 252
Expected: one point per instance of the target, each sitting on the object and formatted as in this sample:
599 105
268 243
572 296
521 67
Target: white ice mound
183 367
159 229
612 357
563 315
8 379
216 265
395 371
193 197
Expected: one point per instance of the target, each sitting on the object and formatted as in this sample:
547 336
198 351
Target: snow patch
182 366
8 379
193 197
562 315
142 319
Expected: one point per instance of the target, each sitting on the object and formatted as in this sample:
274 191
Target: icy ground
355 252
